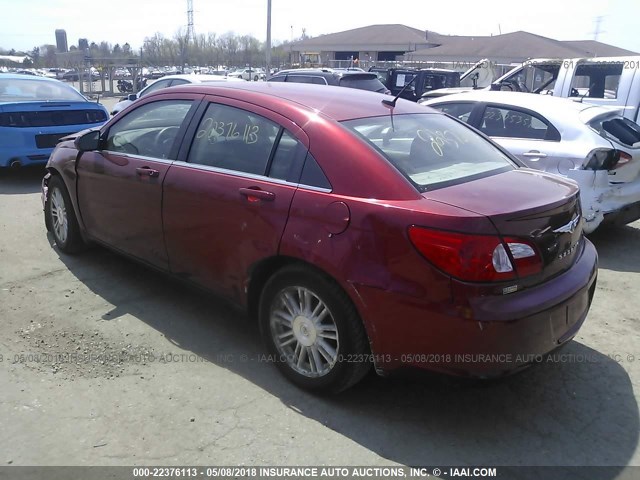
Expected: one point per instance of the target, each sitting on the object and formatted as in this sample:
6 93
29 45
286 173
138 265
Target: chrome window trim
250 176
138 157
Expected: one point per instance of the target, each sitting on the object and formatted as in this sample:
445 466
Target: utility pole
598 30
268 47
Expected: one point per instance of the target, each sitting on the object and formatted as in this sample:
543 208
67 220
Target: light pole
268 72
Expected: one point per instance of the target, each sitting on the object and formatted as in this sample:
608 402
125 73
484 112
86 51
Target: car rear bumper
486 336
24 157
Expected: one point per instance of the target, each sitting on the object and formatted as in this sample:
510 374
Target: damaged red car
358 231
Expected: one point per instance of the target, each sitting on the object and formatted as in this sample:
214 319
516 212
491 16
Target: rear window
618 129
27 90
363 82
432 151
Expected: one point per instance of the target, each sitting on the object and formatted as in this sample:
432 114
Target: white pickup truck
607 81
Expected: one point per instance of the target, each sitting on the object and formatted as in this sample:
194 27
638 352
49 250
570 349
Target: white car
168 81
254 74
595 146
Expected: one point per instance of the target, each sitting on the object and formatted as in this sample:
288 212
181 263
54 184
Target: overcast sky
29 23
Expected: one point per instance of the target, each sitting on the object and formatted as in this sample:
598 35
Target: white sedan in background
168 81
595 146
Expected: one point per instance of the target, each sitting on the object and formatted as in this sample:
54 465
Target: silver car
593 145
168 81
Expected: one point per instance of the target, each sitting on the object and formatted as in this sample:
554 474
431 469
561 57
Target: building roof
515 46
425 45
392 35
598 48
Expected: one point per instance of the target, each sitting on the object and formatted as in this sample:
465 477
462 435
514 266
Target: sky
30 23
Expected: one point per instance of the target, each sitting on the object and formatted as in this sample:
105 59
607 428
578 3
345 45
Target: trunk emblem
569 227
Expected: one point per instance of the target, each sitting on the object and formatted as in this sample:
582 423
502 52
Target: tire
61 218
256 78
324 350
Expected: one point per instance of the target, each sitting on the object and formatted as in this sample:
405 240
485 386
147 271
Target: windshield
27 90
432 151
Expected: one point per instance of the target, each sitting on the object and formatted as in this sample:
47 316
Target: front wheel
313 331
61 218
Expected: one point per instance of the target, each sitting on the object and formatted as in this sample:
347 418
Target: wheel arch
262 271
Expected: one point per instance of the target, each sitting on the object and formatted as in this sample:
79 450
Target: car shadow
609 241
576 408
22 181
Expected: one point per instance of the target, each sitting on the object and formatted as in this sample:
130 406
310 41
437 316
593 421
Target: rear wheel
61 218
312 330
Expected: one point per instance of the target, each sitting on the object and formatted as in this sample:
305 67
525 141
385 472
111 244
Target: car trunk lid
540 208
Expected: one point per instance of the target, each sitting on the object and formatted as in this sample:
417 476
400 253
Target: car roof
531 101
320 71
335 102
197 78
554 108
21 76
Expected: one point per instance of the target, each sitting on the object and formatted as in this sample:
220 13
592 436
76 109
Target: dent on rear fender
598 196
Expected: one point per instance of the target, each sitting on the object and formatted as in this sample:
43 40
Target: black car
326 76
74 75
395 79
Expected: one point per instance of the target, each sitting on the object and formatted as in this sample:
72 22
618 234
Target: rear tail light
624 159
602 159
476 258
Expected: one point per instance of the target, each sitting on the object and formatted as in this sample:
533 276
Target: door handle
534 153
146 171
255 194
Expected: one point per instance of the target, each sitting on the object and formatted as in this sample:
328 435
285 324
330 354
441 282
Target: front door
120 185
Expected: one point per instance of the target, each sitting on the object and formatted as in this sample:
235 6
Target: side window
149 130
285 157
278 78
318 81
312 174
299 79
462 111
598 80
178 81
234 139
157 85
503 122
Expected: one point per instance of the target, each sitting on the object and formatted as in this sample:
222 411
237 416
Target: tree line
228 49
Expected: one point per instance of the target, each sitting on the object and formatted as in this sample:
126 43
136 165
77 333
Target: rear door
226 202
120 185
527 135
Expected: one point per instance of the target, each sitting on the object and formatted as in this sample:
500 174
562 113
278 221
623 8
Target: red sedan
357 231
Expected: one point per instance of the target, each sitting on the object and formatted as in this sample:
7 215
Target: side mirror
88 141
132 97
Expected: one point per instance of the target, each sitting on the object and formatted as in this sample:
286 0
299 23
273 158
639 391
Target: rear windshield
432 151
27 90
363 82
618 129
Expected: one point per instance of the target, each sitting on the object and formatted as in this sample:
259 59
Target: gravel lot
104 362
